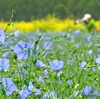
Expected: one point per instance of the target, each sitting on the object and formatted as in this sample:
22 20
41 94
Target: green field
50 66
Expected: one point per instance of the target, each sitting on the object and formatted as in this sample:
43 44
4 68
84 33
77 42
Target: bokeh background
42 10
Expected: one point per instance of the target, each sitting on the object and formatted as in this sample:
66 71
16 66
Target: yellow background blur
47 24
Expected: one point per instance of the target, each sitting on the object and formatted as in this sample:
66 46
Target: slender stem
10 20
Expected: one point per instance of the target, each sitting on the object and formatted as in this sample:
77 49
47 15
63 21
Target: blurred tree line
35 9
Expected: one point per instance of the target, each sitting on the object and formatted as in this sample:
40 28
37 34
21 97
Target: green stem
10 20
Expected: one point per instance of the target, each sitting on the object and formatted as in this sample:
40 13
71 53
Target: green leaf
4 93
26 82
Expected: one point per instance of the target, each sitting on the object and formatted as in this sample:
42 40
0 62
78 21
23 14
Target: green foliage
36 9
80 69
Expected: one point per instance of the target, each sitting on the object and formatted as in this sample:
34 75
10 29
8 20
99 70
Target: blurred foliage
48 24
35 9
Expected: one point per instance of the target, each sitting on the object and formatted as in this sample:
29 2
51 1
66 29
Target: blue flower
98 59
83 64
37 92
47 45
77 45
16 33
2 36
98 67
89 37
8 86
69 82
87 91
77 32
40 79
45 73
95 92
25 93
56 65
21 49
70 62
50 95
11 48
40 64
33 89
76 93
5 54
59 81
4 64
29 90
90 52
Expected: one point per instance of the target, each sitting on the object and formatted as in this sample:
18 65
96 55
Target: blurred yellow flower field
47 24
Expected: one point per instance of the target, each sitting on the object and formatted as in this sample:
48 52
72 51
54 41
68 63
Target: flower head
98 59
25 93
69 82
16 33
83 64
8 86
59 81
4 64
46 73
40 79
87 90
50 95
47 45
40 64
21 49
29 90
56 65
89 37
33 89
90 52
95 92
2 36
5 54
